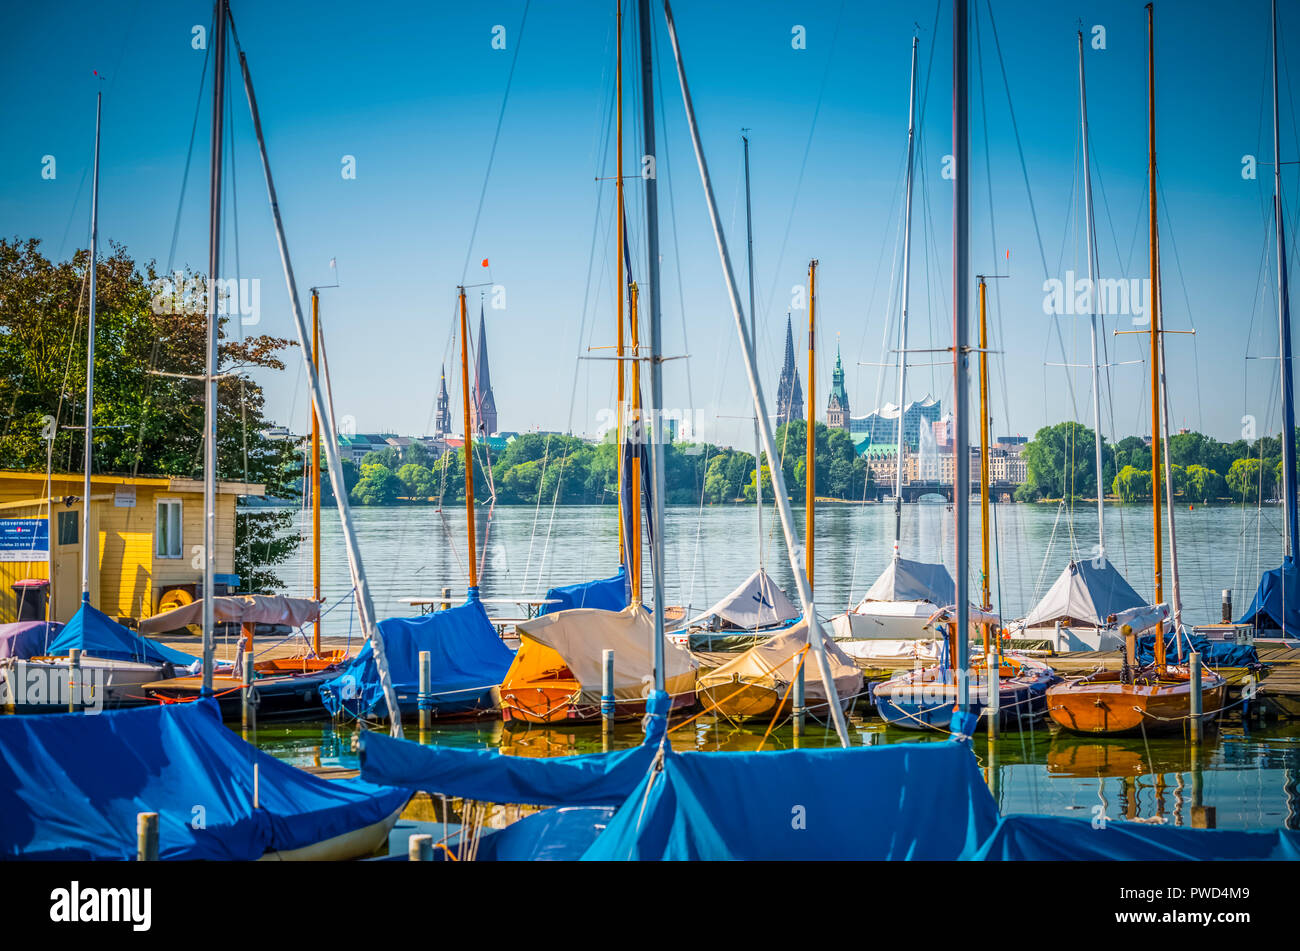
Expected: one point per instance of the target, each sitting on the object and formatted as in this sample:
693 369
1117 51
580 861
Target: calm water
1249 775
416 551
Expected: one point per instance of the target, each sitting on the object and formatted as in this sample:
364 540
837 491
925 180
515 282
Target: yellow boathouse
148 533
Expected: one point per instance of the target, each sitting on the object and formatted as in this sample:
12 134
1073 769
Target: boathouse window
67 528
168 530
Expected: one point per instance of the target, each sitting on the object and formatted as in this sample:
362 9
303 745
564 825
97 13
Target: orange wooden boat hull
1101 703
560 702
742 701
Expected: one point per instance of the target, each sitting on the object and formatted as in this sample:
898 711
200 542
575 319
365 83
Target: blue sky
413 93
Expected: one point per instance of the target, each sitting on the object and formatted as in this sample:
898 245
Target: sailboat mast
638 437
469 445
753 333
620 281
1092 311
656 341
986 598
902 324
960 280
86 539
810 460
315 475
1154 305
1291 528
816 639
210 371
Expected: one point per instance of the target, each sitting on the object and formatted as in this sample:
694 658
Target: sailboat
1074 614
557 674
759 683
749 614
924 699
890 621
1275 609
1155 697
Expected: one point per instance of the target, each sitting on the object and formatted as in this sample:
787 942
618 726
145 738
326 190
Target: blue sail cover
71 786
24 639
1277 601
98 635
1056 838
595 779
608 594
468 660
1213 653
922 800
552 835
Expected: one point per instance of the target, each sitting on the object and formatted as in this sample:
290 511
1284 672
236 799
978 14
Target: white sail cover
579 635
1086 592
759 602
773 662
907 580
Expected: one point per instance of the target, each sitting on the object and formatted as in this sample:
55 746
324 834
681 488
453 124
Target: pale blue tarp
902 801
71 786
552 835
468 659
98 635
1277 601
1056 838
607 594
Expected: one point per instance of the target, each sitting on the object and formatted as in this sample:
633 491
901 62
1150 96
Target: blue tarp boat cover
24 639
923 800
1213 653
1277 600
593 779
1055 838
98 635
607 594
468 658
71 786
553 835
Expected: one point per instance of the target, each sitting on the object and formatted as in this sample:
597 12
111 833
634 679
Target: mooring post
1194 671
1056 643
800 710
607 692
1227 605
425 699
1203 817
250 711
74 667
419 848
993 704
146 837
446 599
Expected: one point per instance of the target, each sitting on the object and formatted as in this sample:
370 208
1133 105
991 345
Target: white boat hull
42 683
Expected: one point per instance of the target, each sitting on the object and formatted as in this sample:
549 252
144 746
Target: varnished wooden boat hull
742 701
1100 703
544 704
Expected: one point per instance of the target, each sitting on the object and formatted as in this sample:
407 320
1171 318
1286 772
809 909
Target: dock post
146 837
1194 669
1056 642
1227 606
607 692
419 848
250 707
993 705
74 667
425 699
800 708
1203 817
446 599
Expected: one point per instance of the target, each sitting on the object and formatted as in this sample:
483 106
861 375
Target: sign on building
24 539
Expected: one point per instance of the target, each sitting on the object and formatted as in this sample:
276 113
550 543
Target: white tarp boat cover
759 602
949 613
1086 593
237 609
580 635
773 663
907 580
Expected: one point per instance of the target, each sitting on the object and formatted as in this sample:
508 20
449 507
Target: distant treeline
570 471
1061 463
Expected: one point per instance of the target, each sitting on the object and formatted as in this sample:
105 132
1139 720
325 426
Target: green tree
379 485
1204 485
1244 480
417 481
1132 484
1059 461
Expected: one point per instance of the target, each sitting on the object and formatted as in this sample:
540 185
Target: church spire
789 391
484 409
442 418
837 408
